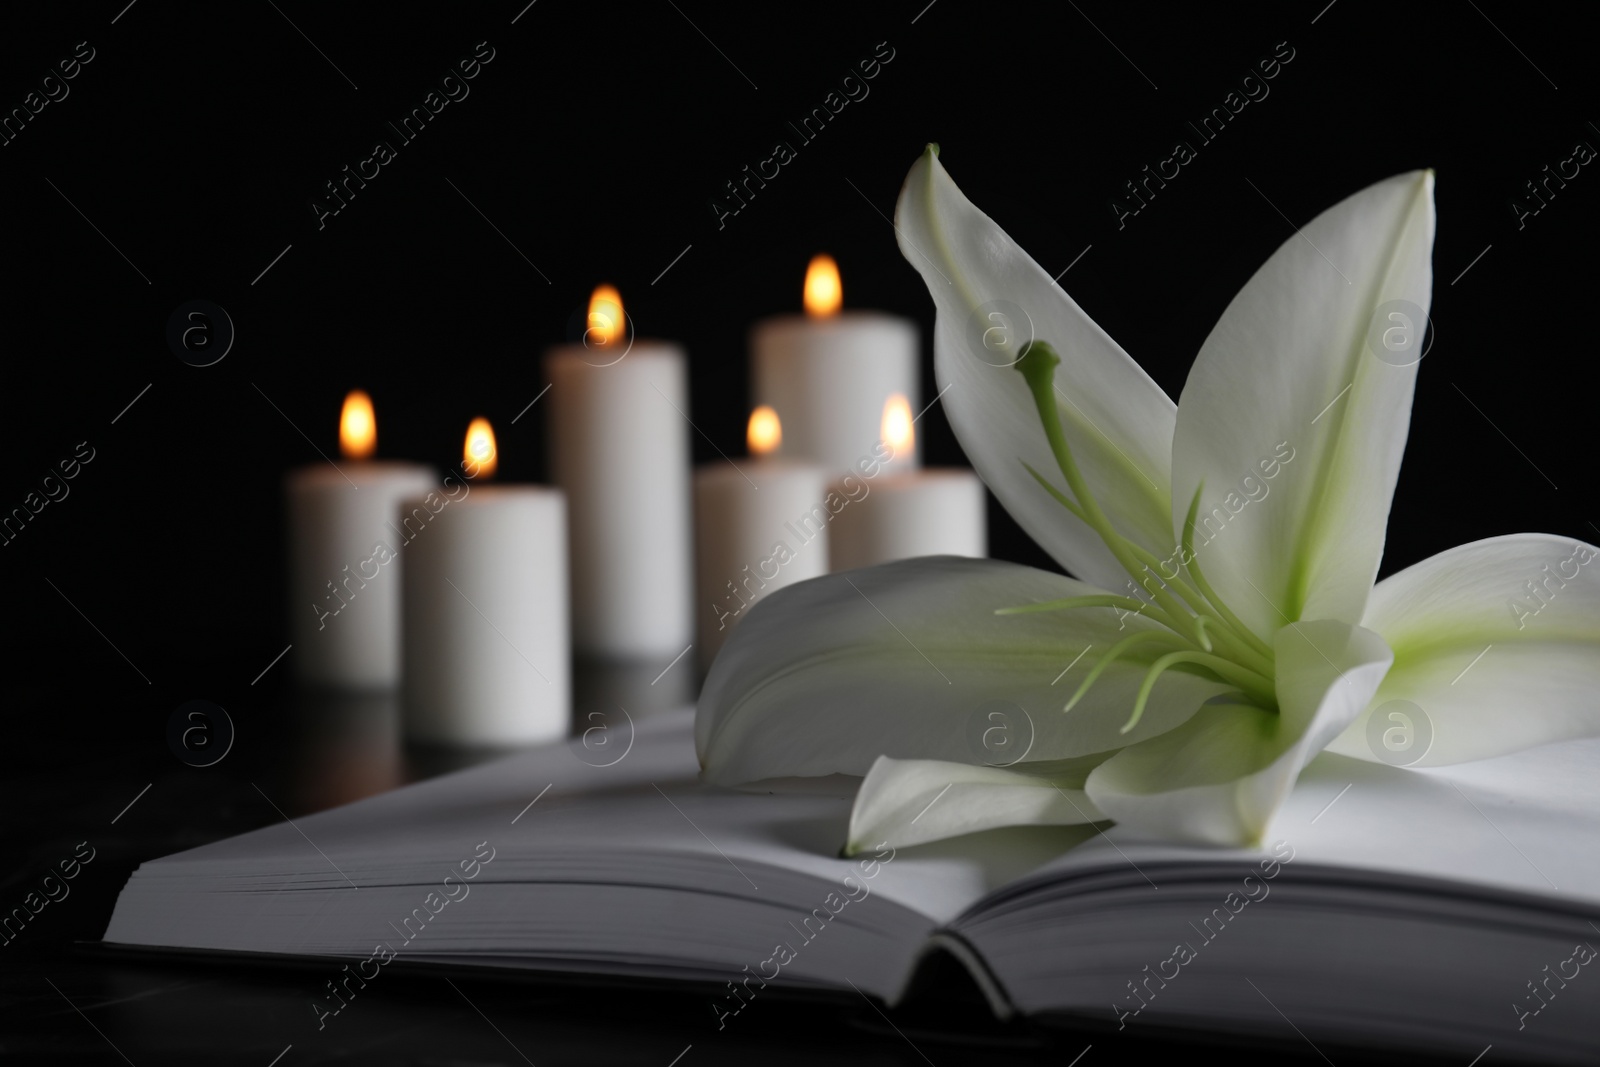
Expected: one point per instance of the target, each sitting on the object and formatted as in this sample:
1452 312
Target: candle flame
824 292
479 457
765 432
606 324
898 433
358 428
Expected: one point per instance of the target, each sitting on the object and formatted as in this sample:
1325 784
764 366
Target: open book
1440 910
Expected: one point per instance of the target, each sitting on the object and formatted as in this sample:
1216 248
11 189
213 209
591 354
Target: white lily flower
1227 623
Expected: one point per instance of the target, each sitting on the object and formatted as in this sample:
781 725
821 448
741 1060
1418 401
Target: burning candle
344 598
619 446
487 651
908 513
827 373
898 434
756 530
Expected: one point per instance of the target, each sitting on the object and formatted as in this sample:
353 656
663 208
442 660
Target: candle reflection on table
345 746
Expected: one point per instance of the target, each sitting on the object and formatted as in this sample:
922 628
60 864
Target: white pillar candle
933 512
344 605
746 542
828 374
487 649
619 448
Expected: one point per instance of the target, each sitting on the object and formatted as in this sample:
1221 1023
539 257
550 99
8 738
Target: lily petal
909 659
1497 643
992 299
909 802
1294 423
1221 776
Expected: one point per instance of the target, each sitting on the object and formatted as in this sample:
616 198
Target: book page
570 811
1514 826
595 858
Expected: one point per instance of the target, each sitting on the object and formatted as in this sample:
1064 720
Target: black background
593 143
595 140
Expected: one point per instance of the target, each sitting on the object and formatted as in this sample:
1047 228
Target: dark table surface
65 997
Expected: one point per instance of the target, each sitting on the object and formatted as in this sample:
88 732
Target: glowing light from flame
765 432
358 428
479 456
606 324
824 292
897 431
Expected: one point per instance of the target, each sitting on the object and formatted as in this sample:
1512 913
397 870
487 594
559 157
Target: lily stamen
1098 600
1115 652
1257 688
